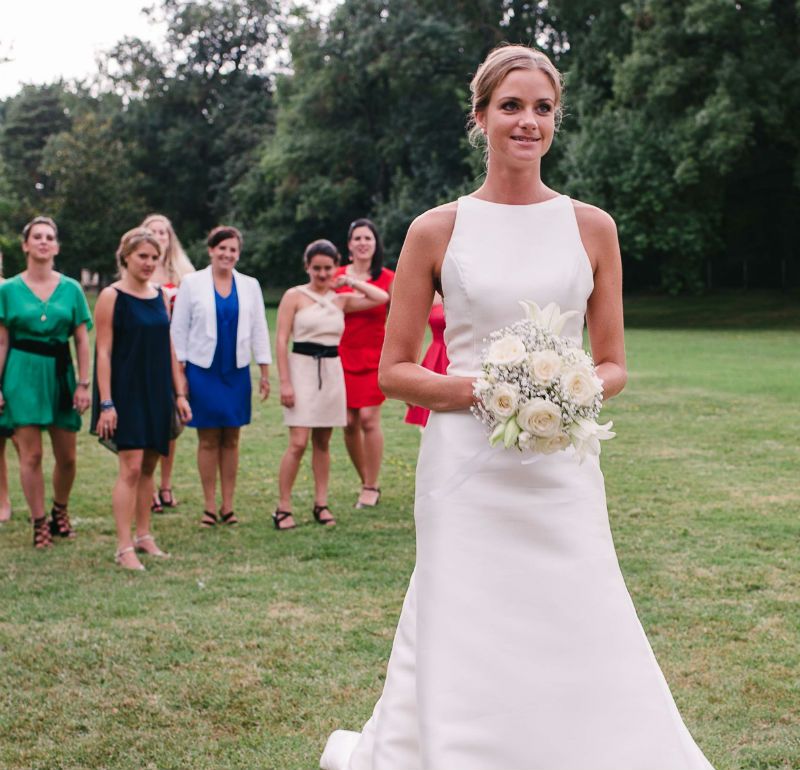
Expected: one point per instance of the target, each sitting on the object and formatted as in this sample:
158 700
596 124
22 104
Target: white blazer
194 321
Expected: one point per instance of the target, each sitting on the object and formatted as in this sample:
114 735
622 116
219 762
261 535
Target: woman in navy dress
135 373
218 324
173 266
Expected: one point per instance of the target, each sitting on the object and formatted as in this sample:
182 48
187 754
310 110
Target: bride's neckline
515 205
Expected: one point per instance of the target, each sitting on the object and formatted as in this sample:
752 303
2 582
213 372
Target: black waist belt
317 351
59 351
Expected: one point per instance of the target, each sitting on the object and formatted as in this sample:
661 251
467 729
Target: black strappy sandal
280 516
59 523
42 537
318 509
228 518
209 520
167 502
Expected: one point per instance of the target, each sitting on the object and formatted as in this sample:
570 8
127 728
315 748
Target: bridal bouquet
537 391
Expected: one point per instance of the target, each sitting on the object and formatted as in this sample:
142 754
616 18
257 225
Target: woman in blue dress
218 324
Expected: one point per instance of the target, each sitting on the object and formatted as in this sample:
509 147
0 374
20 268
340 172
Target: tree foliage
95 194
683 133
680 121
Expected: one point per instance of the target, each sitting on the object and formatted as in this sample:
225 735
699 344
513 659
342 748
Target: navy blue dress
141 374
220 395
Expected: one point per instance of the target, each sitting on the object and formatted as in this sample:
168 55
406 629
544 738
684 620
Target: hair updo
502 60
131 241
322 247
223 233
26 231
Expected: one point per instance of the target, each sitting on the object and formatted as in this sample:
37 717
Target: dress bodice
321 322
500 254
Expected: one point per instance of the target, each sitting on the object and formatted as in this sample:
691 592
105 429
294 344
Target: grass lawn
249 646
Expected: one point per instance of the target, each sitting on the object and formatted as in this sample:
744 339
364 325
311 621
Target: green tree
197 108
29 119
684 116
9 241
95 192
369 122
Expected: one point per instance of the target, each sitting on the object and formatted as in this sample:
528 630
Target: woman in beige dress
311 376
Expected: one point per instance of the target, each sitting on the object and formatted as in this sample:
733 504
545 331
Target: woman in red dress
435 359
360 351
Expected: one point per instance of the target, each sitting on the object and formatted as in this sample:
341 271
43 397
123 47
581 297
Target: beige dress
319 392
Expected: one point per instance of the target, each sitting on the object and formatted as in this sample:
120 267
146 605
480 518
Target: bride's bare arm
604 310
399 375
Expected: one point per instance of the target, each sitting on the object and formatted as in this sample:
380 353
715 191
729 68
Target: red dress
360 348
435 359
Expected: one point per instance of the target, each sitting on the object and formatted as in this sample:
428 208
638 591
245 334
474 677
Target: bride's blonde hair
176 263
495 67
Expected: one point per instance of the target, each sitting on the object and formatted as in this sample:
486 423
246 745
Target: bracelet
84 383
181 395
106 405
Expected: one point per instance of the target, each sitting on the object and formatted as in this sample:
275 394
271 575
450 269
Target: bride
518 646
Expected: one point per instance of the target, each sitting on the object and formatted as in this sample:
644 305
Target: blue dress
141 374
220 395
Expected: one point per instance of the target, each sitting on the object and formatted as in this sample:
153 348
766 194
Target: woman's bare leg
321 463
370 420
144 494
228 466
321 466
5 500
65 450
124 502
29 443
208 448
167 464
354 441
290 465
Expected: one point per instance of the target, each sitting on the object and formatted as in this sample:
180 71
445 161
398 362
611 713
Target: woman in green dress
40 309
5 433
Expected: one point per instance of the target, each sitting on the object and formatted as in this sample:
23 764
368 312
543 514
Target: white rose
581 386
548 446
540 418
545 365
506 351
502 401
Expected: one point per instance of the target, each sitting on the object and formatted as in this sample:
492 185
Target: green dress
30 383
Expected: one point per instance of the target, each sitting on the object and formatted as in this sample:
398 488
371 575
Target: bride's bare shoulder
593 221
433 229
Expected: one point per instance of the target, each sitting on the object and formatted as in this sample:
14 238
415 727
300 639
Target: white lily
586 436
550 317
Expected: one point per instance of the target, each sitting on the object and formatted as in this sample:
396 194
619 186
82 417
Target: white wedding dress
518 646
